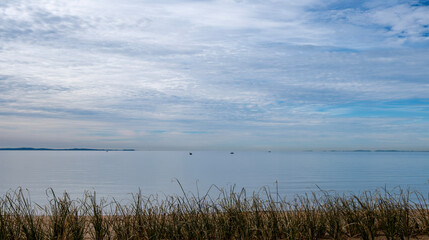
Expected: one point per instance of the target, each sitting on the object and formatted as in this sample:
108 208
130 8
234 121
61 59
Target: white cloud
222 67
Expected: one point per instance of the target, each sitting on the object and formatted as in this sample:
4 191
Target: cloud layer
214 74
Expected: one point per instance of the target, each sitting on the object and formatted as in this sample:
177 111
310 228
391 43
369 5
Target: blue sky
215 75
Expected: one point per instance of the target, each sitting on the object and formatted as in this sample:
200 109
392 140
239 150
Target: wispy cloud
213 74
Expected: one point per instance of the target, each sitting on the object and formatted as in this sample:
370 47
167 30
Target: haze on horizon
213 75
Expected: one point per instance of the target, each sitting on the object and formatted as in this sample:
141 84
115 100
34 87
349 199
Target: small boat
190 153
231 153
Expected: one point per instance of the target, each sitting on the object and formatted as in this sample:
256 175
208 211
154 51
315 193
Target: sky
215 74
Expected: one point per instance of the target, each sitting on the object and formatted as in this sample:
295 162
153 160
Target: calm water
117 174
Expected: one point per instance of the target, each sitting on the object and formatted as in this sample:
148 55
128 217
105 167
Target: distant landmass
364 150
61 149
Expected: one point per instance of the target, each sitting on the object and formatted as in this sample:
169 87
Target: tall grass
219 214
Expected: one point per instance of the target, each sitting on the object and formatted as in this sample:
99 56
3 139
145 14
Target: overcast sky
221 74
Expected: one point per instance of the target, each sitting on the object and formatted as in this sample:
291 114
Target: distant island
61 149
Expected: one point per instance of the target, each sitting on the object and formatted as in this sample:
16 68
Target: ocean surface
119 174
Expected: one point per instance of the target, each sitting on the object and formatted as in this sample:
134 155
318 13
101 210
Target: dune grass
228 214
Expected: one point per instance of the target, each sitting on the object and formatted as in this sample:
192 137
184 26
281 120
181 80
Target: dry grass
228 214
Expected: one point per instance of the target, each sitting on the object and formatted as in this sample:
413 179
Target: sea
119 174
